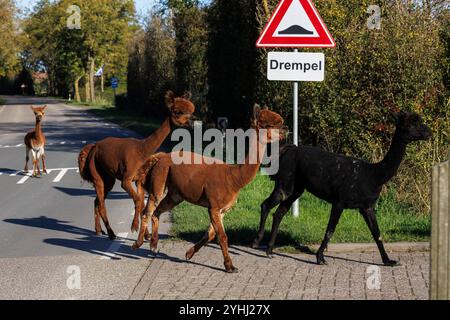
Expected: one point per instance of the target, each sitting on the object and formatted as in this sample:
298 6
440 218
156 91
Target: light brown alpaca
214 186
35 143
121 158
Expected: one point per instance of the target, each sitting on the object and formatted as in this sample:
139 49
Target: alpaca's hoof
111 236
255 244
136 246
135 227
232 270
190 254
45 172
100 233
321 260
391 263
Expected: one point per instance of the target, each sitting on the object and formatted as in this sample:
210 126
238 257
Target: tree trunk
103 83
87 87
91 79
77 89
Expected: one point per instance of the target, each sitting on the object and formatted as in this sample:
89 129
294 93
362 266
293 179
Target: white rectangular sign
296 66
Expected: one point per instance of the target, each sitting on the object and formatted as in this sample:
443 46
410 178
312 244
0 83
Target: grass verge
396 220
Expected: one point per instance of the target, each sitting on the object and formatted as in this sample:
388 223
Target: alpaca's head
411 126
39 112
181 109
270 121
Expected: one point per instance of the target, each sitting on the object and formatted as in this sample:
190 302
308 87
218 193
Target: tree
232 58
9 58
68 54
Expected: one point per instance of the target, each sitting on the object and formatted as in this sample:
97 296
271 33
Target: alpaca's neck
38 130
155 140
244 173
387 168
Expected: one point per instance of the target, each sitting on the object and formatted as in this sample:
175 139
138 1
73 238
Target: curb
371 247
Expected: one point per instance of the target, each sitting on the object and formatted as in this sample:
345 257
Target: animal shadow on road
113 195
91 243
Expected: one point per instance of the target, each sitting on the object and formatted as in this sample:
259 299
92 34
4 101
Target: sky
141 5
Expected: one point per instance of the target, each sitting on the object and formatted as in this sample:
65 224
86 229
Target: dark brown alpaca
35 143
118 158
214 186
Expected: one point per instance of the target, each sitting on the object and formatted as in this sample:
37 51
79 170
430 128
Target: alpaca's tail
143 173
83 158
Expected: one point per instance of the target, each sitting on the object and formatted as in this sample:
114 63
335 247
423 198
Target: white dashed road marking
110 253
25 178
60 175
26 175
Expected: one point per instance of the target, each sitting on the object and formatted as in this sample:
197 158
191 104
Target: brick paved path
286 276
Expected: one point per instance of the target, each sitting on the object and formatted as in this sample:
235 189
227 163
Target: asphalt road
53 215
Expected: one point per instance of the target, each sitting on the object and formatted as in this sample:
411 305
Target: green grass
2 101
397 221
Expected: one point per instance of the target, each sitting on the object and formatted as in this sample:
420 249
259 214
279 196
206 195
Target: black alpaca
345 182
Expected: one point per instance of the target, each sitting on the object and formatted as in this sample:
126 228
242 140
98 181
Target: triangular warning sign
296 23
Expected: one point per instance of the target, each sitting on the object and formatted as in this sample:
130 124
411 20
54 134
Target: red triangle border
325 39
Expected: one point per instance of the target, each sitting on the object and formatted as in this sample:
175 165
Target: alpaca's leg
37 165
371 221
34 155
208 237
148 212
155 235
216 219
266 206
98 227
27 158
165 201
127 185
336 212
282 209
166 205
44 168
102 187
140 205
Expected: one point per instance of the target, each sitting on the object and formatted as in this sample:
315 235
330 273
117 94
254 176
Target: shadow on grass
240 236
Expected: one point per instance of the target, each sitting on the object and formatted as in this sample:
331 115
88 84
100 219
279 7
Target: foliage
9 58
369 74
151 66
68 54
232 59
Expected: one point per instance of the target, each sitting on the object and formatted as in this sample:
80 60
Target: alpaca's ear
256 111
43 108
169 99
265 108
32 108
187 95
394 116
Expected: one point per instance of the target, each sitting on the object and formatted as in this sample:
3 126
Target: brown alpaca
214 186
35 143
121 158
